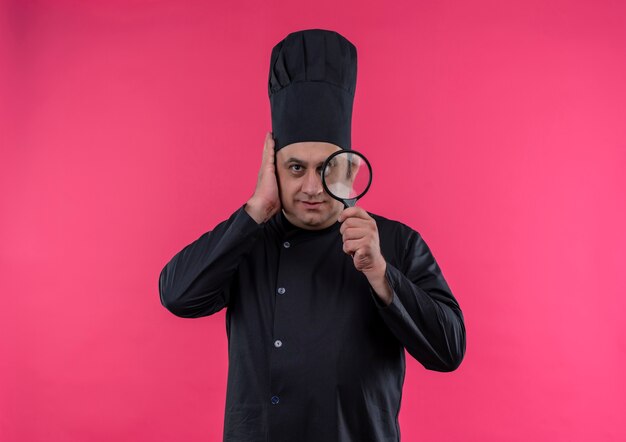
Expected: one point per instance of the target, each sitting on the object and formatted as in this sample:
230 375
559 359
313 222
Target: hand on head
265 201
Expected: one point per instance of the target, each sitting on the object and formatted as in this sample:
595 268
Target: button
281 290
275 400
286 244
278 343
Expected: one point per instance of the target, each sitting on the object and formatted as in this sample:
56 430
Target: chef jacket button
275 400
286 244
278 343
281 290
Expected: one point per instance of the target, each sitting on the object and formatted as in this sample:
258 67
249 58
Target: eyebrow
300 162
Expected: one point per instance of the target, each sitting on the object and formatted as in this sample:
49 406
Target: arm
423 313
196 281
414 301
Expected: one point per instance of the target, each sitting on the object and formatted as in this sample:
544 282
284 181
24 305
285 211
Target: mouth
311 204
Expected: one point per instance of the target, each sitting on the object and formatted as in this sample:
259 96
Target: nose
312 184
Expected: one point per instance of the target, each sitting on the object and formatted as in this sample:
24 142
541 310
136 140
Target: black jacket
313 354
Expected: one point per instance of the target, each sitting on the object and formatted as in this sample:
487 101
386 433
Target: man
321 301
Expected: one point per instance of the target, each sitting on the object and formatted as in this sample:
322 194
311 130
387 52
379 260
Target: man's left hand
361 241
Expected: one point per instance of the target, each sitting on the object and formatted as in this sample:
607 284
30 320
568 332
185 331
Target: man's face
302 196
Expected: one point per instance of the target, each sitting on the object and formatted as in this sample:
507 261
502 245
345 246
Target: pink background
129 128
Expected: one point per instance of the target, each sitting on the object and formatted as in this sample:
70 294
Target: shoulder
397 240
390 226
404 247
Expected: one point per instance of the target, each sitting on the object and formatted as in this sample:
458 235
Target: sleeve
196 281
423 313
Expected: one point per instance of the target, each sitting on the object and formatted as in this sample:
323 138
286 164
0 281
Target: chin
319 223
307 221
318 219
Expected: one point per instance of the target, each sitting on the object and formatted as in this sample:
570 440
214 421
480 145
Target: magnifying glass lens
346 176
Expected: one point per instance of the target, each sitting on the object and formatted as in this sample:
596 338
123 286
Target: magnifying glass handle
350 202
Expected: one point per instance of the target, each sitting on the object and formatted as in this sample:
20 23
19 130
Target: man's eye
296 168
330 167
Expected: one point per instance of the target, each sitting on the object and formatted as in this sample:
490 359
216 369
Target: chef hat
311 88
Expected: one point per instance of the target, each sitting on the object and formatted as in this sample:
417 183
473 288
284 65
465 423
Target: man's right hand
266 201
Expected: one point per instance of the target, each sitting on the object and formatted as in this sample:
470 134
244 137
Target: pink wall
129 128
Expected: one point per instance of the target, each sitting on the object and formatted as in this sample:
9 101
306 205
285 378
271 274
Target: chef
321 302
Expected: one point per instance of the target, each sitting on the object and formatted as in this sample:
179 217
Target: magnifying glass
346 176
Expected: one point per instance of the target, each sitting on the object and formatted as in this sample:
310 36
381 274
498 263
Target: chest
308 287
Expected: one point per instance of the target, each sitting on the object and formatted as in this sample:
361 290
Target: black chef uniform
313 353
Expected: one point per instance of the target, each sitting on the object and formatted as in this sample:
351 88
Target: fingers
267 172
365 255
356 232
269 141
355 247
268 149
354 212
360 237
360 240
349 247
265 201
351 223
